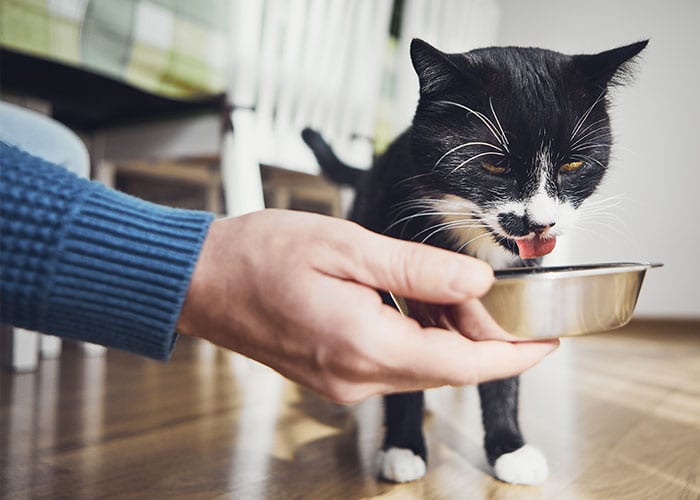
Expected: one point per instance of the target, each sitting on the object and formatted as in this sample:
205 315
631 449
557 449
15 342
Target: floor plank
618 416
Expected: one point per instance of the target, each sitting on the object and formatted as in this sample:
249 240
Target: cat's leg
403 454
513 461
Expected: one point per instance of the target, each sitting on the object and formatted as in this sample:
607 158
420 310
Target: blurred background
201 104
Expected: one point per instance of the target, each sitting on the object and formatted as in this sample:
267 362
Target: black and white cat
506 144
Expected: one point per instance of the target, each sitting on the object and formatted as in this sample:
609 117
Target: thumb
418 271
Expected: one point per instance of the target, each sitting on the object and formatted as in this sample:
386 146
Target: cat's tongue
535 247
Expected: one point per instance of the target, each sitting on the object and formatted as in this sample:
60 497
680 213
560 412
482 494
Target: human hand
297 292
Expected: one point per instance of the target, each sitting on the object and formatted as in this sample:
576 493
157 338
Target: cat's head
513 141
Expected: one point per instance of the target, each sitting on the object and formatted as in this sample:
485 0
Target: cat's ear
612 67
434 68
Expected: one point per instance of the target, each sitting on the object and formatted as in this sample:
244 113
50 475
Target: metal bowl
548 302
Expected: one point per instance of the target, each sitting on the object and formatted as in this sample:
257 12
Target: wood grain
618 416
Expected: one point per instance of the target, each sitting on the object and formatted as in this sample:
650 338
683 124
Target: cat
505 145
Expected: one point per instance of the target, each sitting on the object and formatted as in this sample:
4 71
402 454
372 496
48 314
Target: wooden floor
618 416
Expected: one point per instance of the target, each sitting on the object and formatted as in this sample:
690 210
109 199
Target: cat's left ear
436 71
612 67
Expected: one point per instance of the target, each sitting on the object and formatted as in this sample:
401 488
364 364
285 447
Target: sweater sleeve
86 262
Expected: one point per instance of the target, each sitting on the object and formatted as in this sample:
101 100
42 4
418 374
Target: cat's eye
572 166
493 169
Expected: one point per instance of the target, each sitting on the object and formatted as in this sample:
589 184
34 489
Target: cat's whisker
591 125
425 214
445 226
467 223
603 201
591 145
418 205
437 214
604 220
602 217
593 214
597 199
429 207
593 132
403 216
459 250
600 207
585 116
603 141
587 158
584 215
411 178
456 202
474 158
438 228
457 148
631 151
484 119
599 210
503 133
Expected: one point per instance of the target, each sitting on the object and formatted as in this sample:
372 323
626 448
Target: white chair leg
240 167
50 346
106 173
20 349
93 350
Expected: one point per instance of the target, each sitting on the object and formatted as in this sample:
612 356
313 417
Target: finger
436 356
471 319
475 362
416 271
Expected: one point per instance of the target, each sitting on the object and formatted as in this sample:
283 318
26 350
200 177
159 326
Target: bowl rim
580 270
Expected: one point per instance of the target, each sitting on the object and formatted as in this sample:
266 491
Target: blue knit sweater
86 262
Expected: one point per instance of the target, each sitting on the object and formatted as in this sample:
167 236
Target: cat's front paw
526 465
399 465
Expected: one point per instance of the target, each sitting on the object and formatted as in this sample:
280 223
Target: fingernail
555 345
552 345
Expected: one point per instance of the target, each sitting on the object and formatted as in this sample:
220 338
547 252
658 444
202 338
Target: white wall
656 122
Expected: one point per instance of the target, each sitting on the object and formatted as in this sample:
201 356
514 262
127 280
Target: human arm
88 263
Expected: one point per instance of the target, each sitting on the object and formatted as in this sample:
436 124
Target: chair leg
93 350
281 197
20 349
213 188
50 346
240 166
106 173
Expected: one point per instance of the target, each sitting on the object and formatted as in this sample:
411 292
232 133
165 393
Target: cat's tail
330 164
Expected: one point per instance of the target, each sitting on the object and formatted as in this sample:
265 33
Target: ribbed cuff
122 273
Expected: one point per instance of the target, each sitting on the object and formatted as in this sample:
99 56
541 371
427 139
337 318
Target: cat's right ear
434 68
612 67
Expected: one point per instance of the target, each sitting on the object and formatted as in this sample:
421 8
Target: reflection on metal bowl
547 302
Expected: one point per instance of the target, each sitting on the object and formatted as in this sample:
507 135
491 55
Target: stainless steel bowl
547 302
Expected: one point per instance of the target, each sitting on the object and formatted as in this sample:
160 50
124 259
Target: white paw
525 465
399 465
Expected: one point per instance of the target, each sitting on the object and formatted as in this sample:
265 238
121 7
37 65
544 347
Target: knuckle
406 263
333 392
343 392
343 378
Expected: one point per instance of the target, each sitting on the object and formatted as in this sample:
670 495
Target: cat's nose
541 228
